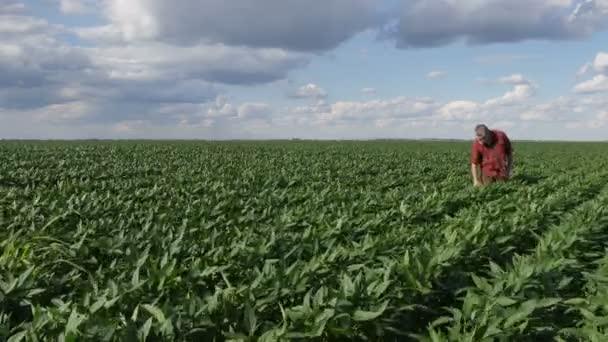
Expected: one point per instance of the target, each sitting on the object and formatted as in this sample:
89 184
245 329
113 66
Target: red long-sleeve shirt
493 158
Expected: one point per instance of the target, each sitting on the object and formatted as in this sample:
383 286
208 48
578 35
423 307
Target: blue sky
332 69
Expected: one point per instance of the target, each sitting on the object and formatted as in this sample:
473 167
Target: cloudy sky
322 69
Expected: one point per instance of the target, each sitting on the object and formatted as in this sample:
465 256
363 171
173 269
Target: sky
313 69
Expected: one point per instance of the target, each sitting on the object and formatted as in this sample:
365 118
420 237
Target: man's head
483 134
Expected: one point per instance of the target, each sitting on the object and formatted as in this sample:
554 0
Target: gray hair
480 126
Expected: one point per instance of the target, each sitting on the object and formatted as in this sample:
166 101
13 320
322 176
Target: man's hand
477 184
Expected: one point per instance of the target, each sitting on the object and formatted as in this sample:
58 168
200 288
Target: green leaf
74 322
546 302
23 277
97 305
515 318
270 336
564 282
34 292
108 304
250 320
17 337
495 268
135 278
492 332
360 315
576 301
155 312
319 298
441 321
505 301
481 283
144 331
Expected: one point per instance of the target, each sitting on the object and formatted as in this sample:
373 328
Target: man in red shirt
492 154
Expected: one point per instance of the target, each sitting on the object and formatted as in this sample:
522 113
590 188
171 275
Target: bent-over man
491 156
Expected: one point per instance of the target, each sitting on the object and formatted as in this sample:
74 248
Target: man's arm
475 164
475 168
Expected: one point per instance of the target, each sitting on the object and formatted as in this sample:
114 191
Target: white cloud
368 91
75 6
562 109
348 112
436 74
599 83
515 79
460 110
310 90
519 94
218 63
222 108
523 89
600 63
254 111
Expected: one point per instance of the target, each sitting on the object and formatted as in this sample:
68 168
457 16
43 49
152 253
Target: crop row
215 276
522 301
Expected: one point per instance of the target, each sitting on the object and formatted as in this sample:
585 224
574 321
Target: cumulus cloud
518 94
436 74
40 71
523 89
309 90
515 79
600 63
53 83
480 22
564 109
460 110
155 39
303 26
34 64
599 83
214 63
353 112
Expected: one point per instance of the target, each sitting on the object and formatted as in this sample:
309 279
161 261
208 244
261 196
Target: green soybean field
300 240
